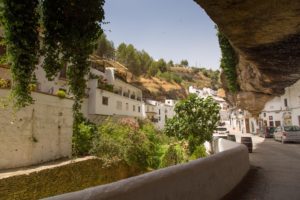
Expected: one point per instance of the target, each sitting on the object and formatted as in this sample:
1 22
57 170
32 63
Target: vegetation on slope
158 78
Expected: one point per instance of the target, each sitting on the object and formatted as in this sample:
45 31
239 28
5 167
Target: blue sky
169 29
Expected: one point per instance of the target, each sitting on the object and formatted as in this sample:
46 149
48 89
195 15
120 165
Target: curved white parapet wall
208 178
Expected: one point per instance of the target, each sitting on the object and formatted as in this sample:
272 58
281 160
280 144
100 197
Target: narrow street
274 174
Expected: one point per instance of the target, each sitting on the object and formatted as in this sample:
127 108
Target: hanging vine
20 22
229 62
71 30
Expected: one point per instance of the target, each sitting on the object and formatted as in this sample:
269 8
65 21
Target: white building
283 110
111 95
202 93
159 112
206 92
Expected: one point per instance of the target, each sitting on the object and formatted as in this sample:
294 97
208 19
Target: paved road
274 174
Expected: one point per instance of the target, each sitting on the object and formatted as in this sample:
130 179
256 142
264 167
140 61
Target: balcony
132 96
126 94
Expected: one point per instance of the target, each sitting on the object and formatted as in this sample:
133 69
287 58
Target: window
119 105
133 108
127 107
285 103
270 117
159 111
105 101
166 117
139 109
265 114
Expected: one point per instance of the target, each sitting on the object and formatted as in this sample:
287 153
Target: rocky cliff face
266 35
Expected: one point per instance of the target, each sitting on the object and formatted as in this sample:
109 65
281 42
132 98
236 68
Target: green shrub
61 94
175 154
156 141
177 78
199 152
87 131
109 87
170 76
121 142
83 133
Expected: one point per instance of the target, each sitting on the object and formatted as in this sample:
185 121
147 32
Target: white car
287 134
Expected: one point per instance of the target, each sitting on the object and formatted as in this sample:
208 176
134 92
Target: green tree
184 63
128 55
195 120
121 53
215 79
145 61
170 63
162 65
105 47
153 69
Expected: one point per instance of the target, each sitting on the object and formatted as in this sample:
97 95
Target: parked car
287 134
221 130
266 132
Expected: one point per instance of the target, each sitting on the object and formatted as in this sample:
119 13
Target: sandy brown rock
266 35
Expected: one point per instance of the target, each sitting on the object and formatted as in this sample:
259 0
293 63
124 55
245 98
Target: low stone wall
209 178
58 178
38 133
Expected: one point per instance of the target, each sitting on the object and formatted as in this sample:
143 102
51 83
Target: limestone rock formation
266 35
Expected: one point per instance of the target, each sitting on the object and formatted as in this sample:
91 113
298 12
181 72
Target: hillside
158 78
160 87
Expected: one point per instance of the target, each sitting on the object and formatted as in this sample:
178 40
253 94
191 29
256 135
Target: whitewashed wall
37 133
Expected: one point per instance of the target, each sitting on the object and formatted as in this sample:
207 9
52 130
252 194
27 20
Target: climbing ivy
229 61
20 22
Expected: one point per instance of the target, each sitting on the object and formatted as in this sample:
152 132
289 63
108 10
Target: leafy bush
61 94
175 154
132 123
170 76
195 120
82 140
156 141
122 143
199 152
